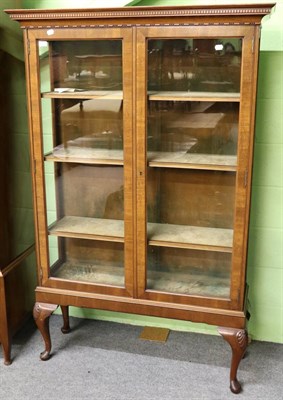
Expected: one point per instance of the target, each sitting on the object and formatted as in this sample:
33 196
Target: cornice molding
102 26
142 12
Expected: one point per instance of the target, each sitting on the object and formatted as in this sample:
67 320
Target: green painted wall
265 255
10 34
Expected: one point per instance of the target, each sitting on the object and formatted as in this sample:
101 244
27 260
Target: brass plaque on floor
154 334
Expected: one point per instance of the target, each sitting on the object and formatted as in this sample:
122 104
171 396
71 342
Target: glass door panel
82 99
189 272
75 66
193 133
86 129
81 86
90 261
190 231
192 143
201 65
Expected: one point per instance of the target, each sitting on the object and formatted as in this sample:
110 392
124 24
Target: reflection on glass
186 128
81 65
189 272
90 261
202 65
190 209
82 124
193 103
85 128
193 198
90 126
85 201
86 191
192 135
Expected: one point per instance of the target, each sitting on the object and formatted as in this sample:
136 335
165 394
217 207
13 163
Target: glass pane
189 272
81 65
85 129
82 99
202 65
191 197
85 202
84 199
193 132
82 125
90 261
190 217
192 143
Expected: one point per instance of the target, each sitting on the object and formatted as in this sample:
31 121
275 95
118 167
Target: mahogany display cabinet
141 128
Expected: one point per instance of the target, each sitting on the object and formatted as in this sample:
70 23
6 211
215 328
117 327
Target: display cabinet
141 127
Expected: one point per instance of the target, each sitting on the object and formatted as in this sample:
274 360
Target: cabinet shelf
193 96
86 154
166 235
90 273
84 94
153 96
189 283
111 230
190 237
192 161
183 283
155 159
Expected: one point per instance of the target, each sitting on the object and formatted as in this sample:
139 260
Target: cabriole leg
66 325
41 314
238 340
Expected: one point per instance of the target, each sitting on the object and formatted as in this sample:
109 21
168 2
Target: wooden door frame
36 142
249 35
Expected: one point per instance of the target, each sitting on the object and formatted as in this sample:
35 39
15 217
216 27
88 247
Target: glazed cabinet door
195 93
80 103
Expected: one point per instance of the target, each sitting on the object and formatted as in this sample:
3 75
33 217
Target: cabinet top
211 14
